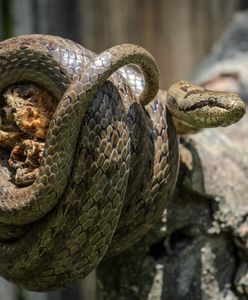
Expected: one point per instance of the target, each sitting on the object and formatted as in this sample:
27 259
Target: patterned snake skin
109 166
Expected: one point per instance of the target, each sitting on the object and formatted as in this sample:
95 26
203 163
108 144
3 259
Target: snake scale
111 156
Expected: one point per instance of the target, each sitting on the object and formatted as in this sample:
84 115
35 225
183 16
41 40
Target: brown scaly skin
109 164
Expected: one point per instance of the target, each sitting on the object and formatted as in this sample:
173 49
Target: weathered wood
23 17
226 67
201 246
58 17
178 33
8 291
198 248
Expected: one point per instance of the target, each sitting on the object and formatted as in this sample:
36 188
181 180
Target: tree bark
199 249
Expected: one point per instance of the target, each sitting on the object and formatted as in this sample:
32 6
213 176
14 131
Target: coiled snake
110 161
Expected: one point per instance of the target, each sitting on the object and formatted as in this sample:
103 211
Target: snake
111 158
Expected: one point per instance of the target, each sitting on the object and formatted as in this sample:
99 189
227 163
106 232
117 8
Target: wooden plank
177 32
22 16
58 17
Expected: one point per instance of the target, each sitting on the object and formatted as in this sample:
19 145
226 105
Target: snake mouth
211 102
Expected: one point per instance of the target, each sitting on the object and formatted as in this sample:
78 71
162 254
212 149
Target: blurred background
179 34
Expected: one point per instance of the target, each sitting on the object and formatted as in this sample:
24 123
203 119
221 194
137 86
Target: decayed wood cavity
26 111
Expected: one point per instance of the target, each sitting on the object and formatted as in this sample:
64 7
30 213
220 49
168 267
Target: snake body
110 161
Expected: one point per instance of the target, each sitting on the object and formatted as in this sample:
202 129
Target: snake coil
109 165
110 161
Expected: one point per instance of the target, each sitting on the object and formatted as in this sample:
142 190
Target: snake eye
211 101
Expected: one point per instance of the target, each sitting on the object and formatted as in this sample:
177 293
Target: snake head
203 108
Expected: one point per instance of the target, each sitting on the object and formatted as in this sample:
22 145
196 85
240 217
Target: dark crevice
211 206
158 250
177 242
181 239
236 256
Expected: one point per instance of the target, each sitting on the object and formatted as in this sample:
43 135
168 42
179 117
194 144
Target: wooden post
177 32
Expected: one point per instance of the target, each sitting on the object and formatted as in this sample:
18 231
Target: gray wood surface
8 291
198 250
58 17
177 32
23 19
